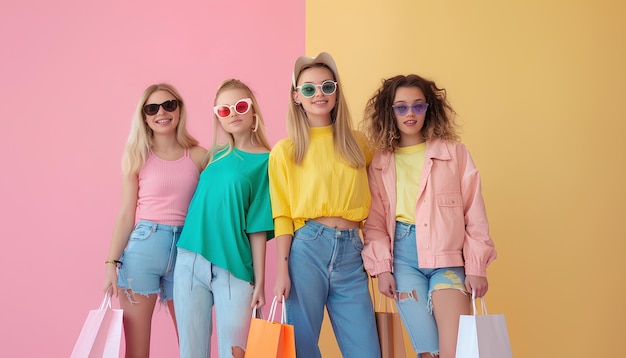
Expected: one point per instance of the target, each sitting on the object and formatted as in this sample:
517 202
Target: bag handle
283 315
483 304
380 299
257 312
388 303
106 301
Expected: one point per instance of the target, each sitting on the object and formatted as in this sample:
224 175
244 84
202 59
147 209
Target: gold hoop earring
256 123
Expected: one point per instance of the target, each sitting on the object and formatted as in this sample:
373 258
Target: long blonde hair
140 139
345 142
257 137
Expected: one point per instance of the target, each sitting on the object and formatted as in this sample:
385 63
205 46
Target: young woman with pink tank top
161 166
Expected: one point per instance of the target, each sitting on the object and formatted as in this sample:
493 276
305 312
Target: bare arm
124 224
257 243
197 154
283 282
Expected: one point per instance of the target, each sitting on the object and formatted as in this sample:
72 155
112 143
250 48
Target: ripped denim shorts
148 260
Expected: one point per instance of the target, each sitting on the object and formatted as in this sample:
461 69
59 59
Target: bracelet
115 262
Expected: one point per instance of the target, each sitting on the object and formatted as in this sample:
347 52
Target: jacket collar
435 149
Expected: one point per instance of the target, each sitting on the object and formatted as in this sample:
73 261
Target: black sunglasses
153 108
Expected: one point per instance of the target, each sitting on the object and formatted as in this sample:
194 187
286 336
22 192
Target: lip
163 121
410 122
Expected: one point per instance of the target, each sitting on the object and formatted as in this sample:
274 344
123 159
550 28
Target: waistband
154 226
403 228
317 226
402 224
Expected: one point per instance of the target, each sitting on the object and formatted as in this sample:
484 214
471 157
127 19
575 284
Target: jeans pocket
140 233
402 232
306 233
357 243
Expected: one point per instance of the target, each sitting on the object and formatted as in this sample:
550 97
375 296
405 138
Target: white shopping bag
483 335
101 333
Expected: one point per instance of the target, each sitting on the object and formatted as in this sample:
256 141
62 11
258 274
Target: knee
238 352
411 295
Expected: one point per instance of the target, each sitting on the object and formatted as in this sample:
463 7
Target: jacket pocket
449 200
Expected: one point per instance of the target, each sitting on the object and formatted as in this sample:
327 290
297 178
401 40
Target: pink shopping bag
483 335
101 333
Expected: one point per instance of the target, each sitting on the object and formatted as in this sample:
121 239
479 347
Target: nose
233 112
161 110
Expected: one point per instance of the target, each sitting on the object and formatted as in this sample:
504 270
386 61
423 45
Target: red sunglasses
241 107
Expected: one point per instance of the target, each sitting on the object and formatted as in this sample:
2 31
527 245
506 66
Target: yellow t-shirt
409 163
322 185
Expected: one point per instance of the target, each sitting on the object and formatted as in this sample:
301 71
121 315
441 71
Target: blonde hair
139 140
345 142
257 137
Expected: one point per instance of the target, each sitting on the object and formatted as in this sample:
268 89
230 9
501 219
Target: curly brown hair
379 123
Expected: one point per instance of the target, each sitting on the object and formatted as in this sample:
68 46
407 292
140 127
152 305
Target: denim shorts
149 258
415 287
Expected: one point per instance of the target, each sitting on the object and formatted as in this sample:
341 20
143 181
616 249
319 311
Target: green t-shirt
231 200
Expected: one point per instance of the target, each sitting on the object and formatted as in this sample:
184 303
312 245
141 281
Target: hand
282 286
476 284
110 279
258 297
387 284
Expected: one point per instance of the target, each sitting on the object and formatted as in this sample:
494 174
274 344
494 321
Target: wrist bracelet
115 262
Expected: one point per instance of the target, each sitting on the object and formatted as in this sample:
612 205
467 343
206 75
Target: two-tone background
539 87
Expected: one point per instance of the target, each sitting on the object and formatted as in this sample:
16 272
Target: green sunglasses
308 89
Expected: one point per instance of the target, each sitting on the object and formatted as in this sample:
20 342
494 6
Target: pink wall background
70 75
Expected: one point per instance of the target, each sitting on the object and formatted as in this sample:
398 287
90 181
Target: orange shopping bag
389 327
268 339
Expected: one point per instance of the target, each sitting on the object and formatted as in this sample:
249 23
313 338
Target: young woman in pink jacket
426 237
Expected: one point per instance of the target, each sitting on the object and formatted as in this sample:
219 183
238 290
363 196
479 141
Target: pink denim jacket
450 218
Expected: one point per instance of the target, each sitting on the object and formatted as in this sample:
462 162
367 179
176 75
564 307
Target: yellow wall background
539 87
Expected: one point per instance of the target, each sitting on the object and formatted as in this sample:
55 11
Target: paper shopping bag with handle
389 328
483 335
101 333
269 339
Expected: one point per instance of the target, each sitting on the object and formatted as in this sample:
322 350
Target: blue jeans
198 285
148 259
415 286
326 269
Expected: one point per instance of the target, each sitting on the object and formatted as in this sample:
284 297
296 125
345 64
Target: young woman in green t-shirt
221 251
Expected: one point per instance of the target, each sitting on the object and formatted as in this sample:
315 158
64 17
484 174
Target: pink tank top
166 188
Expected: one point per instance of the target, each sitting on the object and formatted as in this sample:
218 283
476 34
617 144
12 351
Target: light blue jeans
326 269
416 286
198 285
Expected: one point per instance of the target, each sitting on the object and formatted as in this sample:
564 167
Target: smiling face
410 125
163 122
235 123
319 106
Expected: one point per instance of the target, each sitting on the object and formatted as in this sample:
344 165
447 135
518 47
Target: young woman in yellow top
320 196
